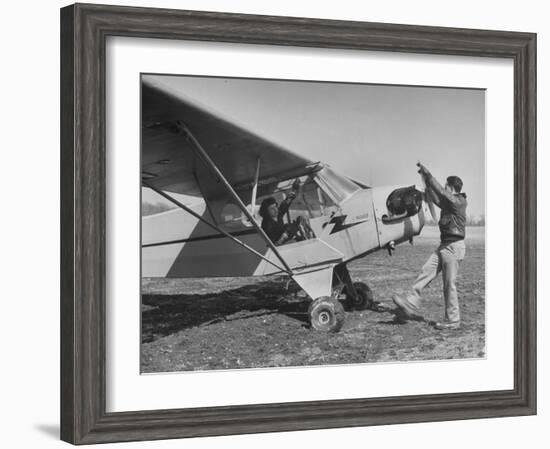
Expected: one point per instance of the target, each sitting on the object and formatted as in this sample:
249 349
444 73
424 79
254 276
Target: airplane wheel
326 314
364 299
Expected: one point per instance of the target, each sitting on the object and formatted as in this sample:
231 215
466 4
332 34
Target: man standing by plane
446 258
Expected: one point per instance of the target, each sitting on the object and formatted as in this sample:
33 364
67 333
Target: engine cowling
401 203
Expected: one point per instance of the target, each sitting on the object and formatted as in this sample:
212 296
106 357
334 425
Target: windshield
338 187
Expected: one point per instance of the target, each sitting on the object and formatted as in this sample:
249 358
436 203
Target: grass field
228 323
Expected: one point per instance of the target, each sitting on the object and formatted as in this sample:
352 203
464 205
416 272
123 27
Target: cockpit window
311 202
338 187
319 195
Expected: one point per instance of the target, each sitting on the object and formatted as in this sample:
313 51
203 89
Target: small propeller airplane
187 150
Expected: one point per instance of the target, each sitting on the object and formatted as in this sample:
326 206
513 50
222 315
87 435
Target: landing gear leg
359 296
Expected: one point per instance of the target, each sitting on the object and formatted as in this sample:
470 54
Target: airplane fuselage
175 244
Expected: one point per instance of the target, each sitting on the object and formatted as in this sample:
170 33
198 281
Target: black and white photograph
292 223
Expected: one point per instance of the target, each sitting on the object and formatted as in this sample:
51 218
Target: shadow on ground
164 314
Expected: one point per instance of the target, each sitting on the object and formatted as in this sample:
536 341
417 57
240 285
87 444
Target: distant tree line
475 221
471 220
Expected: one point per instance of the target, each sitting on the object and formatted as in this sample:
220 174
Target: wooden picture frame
84 29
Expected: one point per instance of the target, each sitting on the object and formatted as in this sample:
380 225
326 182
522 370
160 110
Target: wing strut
184 130
255 188
216 228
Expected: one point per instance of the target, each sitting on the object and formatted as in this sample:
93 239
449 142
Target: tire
326 314
364 299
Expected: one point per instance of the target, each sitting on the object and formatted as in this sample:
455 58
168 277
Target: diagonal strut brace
184 130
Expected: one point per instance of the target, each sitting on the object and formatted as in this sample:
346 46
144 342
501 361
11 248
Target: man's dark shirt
452 223
275 228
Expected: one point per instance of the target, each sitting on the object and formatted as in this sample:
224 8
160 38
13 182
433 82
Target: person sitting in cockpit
272 220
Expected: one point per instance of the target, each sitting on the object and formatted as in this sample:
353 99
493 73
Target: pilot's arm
282 239
272 233
285 204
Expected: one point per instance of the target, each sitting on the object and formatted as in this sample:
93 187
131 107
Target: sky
373 133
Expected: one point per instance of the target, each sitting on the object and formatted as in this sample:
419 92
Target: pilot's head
454 184
269 208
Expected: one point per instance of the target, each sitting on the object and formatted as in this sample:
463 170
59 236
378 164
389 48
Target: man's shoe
410 310
448 325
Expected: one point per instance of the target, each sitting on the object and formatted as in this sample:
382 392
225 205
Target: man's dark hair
455 182
265 204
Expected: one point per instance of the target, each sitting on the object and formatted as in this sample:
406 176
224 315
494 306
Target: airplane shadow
165 314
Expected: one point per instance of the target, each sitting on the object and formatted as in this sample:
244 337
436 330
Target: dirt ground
228 323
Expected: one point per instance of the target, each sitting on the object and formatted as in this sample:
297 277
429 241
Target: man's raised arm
438 190
431 196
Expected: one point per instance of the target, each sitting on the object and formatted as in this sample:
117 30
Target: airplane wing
169 160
